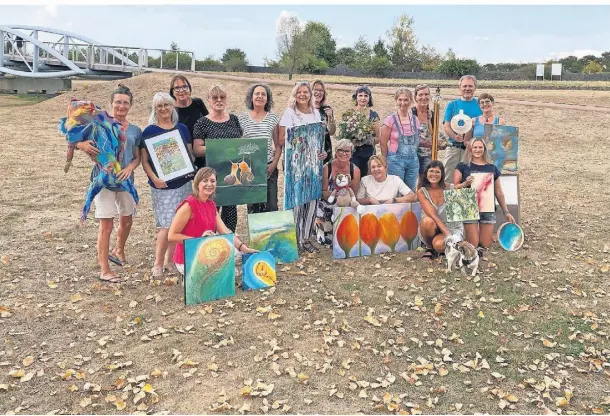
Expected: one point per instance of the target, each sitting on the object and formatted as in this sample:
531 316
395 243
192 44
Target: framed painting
303 172
461 205
379 229
258 270
503 146
483 184
209 268
241 170
169 155
274 232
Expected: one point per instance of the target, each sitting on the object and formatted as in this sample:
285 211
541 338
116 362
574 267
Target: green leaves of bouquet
355 126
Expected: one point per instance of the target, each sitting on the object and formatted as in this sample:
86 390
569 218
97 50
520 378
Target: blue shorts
485 218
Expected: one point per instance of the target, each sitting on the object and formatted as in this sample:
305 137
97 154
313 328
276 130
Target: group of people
402 172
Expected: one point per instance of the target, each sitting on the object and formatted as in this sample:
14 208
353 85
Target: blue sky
486 33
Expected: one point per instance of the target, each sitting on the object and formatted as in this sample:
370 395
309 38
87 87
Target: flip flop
110 278
115 260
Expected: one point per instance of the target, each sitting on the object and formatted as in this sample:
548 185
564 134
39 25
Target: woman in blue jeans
400 139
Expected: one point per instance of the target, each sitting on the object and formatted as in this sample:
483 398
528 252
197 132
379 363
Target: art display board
483 184
379 229
503 146
209 268
461 205
169 155
274 232
241 170
512 196
258 271
303 168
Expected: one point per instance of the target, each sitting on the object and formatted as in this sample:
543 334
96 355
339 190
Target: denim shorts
486 218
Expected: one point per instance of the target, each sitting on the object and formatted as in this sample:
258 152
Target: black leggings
361 157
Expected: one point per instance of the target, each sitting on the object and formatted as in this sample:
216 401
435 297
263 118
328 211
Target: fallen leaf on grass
27 361
85 402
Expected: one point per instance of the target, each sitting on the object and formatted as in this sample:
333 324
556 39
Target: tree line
311 48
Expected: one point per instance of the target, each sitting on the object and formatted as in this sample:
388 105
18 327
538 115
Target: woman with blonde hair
165 196
197 216
381 188
479 233
400 139
301 111
218 124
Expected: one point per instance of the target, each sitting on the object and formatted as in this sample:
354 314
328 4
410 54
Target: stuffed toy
343 192
86 121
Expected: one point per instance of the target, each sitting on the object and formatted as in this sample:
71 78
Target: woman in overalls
400 139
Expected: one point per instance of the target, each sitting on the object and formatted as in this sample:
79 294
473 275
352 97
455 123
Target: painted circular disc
461 123
510 236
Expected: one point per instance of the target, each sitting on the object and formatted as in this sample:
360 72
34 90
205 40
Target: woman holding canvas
197 216
301 111
165 196
478 171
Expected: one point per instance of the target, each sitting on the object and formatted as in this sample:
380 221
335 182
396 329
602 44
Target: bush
379 66
592 67
458 67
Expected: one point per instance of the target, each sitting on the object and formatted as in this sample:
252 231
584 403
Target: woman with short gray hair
260 122
340 164
165 196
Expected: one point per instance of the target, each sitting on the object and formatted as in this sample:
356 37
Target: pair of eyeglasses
344 151
485 102
121 102
162 106
218 97
181 88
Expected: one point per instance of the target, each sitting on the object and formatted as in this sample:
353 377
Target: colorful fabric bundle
85 121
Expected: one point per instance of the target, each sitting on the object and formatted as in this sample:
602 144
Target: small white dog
462 254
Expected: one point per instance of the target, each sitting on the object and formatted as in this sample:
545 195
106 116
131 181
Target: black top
189 115
207 129
328 146
466 169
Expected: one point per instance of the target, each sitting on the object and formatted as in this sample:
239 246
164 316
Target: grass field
388 334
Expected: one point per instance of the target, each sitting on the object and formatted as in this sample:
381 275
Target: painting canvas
209 268
169 155
241 170
503 146
274 232
303 173
379 229
510 189
258 270
483 183
461 205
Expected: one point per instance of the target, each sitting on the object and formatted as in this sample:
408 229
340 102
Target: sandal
109 277
170 268
157 271
307 246
429 254
114 259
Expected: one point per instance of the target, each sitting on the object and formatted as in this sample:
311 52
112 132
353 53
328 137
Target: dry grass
555 288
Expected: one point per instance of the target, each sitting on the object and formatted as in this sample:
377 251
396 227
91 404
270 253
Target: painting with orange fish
241 170
379 229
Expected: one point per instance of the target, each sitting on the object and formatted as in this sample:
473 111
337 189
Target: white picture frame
169 155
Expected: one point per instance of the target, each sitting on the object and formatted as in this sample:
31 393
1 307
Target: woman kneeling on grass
196 217
434 227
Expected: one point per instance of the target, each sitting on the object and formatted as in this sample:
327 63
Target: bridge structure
35 53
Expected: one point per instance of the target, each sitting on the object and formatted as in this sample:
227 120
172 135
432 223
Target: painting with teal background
209 268
503 146
258 270
274 232
241 170
303 173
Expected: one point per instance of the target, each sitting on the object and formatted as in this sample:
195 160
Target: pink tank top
203 218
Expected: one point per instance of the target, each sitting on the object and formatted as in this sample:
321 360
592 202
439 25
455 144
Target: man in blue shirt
470 105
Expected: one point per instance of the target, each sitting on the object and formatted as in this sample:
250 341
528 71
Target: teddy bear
343 193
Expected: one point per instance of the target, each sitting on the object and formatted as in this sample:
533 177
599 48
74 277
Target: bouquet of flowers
356 127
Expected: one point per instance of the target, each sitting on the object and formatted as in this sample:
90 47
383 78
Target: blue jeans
405 167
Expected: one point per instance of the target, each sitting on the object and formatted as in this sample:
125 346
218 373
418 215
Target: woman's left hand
247 250
208 233
124 173
322 155
510 218
270 168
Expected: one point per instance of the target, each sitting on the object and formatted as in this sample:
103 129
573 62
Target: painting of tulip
483 184
379 229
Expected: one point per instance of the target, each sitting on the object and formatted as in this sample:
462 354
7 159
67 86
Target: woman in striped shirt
260 122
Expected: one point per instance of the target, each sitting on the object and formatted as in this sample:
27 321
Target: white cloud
579 53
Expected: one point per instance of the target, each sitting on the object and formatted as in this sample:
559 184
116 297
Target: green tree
605 60
430 58
592 67
380 50
346 56
324 45
294 49
404 52
571 64
209 64
458 67
363 53
235 60
379 66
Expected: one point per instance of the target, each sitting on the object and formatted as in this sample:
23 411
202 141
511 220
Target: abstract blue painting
258 270
303 174
503 146
274 232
